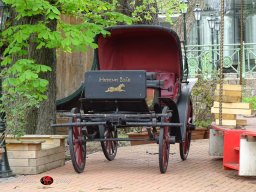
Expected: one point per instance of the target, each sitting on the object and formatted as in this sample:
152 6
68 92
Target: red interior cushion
155 50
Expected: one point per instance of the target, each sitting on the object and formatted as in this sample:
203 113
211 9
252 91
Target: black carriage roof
139 47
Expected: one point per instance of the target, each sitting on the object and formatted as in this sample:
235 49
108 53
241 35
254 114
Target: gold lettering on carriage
119 88
108 80
114 80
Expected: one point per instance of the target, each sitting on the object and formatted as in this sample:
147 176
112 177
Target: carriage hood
139 47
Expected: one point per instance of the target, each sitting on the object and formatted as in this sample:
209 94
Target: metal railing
204 59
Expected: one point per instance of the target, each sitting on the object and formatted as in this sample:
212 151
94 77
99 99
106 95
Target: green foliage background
22 84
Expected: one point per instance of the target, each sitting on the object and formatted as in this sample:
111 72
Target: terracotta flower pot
142 135
200 133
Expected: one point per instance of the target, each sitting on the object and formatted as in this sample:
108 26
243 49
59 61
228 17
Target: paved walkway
135 169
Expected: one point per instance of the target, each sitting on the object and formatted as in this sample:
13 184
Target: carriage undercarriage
158 127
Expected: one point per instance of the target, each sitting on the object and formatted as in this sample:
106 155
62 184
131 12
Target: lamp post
217 28
197 13
5 170
184 11
211 22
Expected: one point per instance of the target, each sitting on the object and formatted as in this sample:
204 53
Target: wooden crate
240 122
232 111
34 154
229 87
231 106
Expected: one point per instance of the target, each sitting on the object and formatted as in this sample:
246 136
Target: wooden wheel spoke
78 156
109 147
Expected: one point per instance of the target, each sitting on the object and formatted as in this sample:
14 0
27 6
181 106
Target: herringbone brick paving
135 169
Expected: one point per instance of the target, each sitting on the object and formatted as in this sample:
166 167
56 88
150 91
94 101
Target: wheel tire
77 144
164 145
185 145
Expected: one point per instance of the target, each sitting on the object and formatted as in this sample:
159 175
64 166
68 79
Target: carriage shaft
78 124
154 124
120 116
127 123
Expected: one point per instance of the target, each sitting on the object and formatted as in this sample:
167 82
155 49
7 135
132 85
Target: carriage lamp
5 170
217 28
197 13
211 22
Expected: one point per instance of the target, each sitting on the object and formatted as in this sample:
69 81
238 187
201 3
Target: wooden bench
33 154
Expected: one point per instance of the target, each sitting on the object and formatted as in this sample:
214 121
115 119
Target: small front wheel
109 147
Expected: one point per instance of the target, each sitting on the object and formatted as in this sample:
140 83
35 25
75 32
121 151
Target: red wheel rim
78 144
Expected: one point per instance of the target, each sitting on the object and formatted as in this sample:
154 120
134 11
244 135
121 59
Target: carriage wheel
109 148
77 145
185 145
164 144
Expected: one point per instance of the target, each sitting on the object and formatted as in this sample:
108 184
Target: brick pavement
136 169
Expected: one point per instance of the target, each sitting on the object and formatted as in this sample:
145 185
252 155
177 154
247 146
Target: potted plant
202 130
202 99
139 133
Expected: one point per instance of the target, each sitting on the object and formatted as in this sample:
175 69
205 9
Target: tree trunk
47 110
40 121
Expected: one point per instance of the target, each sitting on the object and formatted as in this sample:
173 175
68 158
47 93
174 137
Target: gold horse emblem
119 88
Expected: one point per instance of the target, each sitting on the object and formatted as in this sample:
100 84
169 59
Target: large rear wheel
185 144
164 144
77 144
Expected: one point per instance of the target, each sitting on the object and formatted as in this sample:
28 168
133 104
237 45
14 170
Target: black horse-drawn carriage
138 82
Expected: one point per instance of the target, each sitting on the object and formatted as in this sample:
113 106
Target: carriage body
138 82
